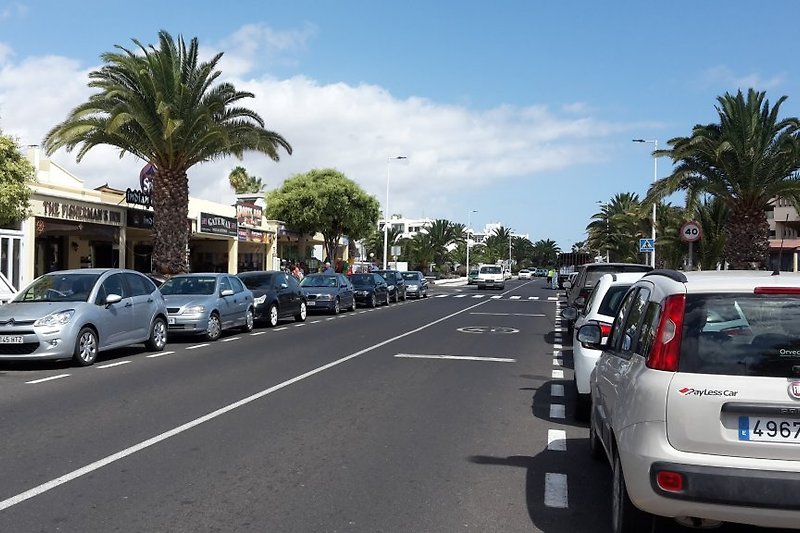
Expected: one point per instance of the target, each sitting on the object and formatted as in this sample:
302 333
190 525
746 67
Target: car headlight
390 287
194 310
362 293
260 300
55 320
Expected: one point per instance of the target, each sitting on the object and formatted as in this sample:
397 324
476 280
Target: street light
386 211
604 205
654 142
469 223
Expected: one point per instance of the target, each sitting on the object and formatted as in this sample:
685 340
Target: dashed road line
196 346
555 490
256 333
51 378
110 365
229 339
558 374
158 354
558 410
557 440
557 390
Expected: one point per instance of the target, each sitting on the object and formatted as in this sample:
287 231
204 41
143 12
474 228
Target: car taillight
605 329
667 345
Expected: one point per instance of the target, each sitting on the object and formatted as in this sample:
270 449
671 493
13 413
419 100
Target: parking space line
496 297
281 328
558 410
555 491
110 365
557 362
558 374
557 440
515 297
51 378
257 333
556 390
229 339
196 346
457 357
158 354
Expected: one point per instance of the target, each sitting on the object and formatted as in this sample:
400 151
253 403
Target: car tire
386 302
214 329
353 305
404 296
302 314
336 309
272 315
596 450
86 347
249 321
626 517
583 406
373 301
158 335
425 295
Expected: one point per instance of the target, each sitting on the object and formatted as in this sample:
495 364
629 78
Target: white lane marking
556 353
110 365
196 346
331 318
316 321
511 314
558 374
515 297
558 410
557 362
496 297
552 298
53 483
159 354
51 378
558 346
457 357
362 312
557 440
556 390
460 296
555 491
229 339
478 295
299 325
280 329
441 296
256 333
533 297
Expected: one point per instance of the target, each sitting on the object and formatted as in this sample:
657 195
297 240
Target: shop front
255 243
214 246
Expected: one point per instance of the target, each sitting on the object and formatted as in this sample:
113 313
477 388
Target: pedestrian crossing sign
647 245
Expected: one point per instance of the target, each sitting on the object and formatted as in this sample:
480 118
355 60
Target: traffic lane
315 455
47 431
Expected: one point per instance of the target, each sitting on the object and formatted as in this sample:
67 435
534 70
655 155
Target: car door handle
129 304
149 300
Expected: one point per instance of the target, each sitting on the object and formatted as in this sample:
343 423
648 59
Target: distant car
370 289
396 283
79 313
416 284
276 295
524 274
208 303
472 277
491 276
541 272
328 292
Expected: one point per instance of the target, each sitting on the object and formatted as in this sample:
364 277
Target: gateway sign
218 225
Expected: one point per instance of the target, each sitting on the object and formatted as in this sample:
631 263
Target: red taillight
605 329
670 481
776 290
667 345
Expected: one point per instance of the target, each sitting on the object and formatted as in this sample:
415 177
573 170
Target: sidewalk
449 282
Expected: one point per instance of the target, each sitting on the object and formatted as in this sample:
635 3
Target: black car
276 295
397 285
416 284
370 289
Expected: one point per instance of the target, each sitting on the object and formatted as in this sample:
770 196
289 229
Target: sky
518 112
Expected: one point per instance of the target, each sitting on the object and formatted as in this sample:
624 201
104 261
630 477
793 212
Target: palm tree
163 107
616 229
442 234
242 182
747 160
545 253
712 215
420 251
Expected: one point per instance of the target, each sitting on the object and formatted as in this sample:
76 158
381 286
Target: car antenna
777 271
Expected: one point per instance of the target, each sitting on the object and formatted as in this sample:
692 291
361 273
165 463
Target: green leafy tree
244 183
545 253
16 174
163 106
325 201
746 160
443 234
419 251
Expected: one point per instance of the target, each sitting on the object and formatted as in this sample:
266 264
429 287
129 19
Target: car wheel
583 404
596 450
396 296
158 336
249 320
425 295
353 304
373 301
272 315
386 302
301 316
403 296
214 329
625 517
86 348
336 309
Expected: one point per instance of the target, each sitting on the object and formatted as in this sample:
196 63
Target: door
115 326
241 297
228 305
144 303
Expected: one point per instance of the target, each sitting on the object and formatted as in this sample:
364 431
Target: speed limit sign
691 231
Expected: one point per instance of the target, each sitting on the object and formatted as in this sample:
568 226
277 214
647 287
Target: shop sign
81 213
137 197
138 218
248 213
253 235
218 225
142 196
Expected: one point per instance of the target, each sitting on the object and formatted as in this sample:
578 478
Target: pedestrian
328 269
297 273
549 277
554 285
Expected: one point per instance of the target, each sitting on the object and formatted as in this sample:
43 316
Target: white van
491 276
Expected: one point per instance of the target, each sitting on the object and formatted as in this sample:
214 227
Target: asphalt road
445 414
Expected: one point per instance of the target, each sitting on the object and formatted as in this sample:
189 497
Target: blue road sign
647 245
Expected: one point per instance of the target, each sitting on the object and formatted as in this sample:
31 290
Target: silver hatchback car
78 313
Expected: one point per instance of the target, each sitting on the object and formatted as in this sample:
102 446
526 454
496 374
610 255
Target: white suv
696 399
491 276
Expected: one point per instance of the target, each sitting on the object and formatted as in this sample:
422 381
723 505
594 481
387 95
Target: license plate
10 339
171 320
312 303
761 428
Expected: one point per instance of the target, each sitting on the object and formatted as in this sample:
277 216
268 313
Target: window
630 333
619 321
237 285
112 285
224 284
139 285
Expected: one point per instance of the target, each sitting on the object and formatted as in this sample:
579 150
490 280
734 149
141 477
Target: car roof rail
674 275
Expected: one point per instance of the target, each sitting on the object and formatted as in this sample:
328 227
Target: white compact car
696 399
524 274
600 309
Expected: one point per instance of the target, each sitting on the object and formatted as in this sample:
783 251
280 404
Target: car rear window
741 334
593 275
612 299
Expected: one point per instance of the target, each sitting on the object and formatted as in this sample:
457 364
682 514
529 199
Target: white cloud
724 76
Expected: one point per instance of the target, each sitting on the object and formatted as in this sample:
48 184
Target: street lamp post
654 142
469 223
386 211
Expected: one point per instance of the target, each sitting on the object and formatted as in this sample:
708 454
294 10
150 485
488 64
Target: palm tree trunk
747 246
170 227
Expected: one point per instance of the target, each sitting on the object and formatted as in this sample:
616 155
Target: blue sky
521 110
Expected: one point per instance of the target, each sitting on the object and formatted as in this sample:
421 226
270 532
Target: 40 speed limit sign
691 231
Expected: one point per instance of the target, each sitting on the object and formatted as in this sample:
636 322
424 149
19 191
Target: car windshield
319 281
491 270
411 276
741 334
59 287
189 285
362 279
388 276
261 281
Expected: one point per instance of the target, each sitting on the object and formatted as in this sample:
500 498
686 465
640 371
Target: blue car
328 292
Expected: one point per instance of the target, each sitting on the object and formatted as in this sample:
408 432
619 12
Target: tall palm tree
545 252
163 107
616 229
712 214
242 182
750 157
442 234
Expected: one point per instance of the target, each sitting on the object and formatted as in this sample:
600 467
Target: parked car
370 289
396 283
416 284
328 292
472 277
579 288
698 424
600 309
276 295
79 313
524 274
491 276
208 303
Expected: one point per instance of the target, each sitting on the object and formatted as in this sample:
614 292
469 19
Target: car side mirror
226 292
113 299
591 336
580 303
567 284
569 313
